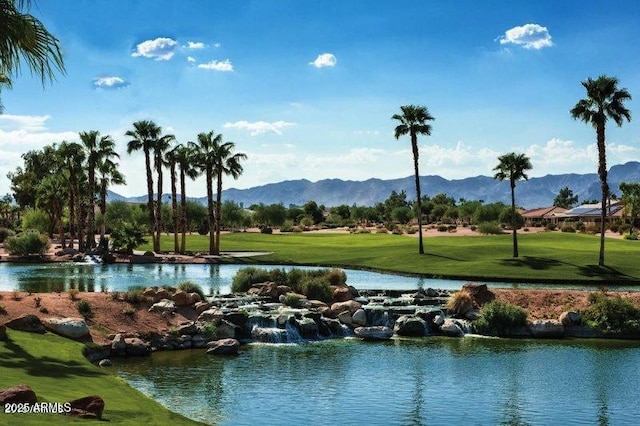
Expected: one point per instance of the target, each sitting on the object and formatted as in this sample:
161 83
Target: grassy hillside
549 256
56 370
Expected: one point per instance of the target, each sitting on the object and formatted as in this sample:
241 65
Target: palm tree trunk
414 147
159 206
218 211
513 218
72 208
103 212
211 217
152 213
183 205
602 172
174 207
91 225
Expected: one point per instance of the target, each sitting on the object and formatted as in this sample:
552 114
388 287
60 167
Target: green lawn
56 370
547 256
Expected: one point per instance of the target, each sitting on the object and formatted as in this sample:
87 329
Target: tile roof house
543 215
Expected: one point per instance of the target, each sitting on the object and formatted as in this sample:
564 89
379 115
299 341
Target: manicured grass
548 256
56 370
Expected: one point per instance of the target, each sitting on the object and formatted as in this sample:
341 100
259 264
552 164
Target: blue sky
307 89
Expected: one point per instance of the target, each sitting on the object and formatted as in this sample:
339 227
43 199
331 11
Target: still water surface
431 380
50 277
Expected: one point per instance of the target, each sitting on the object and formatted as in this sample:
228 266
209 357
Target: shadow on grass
605 272
531 262
15 357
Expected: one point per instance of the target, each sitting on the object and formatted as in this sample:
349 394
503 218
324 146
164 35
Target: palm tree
109 174
604 101
185 161
205 153
227 163
513 166
145 134
51 192
23 38
72 158
159 149
413 121
96 148
171 159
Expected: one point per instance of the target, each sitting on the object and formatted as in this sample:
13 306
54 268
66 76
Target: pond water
48 277
432 380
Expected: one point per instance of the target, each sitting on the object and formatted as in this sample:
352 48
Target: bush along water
500 319
611 314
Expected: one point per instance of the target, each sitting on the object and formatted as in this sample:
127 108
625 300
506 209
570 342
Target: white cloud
30 123
259 127
160 49
224 66
217 45
110 82
196 45
529 36
324 60
191 59
366 132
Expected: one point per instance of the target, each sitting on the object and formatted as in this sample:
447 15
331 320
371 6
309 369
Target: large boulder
345 318
17 394
189 328
160 294
165 306
350 305
73 328
181 298
451 328
136 347
194 298
213 315
359 318
308 328
30 323
200 307
480 293
377 332
570 318
223 347
407 325
548 329
89 407
342 294
225 329
118 345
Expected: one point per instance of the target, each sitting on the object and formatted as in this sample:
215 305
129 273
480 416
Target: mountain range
535 192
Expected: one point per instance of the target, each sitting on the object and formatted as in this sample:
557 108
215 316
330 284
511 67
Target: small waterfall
92 259
273 329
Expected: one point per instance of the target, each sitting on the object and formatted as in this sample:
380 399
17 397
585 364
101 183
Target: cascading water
273 329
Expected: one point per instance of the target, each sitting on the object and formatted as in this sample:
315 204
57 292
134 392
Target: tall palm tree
144 135
185 161
413 121
171 159
604 101
51 192
159 149
513 166
109 175
23 38
95 147
72 158
205 153
227 163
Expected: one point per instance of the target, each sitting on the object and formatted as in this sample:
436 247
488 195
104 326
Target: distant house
591 213
543 215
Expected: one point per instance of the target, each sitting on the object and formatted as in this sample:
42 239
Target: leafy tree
565 198
311 209
127 236
604 101
197 216
35 219
144 136
270 215
342 211
24 39
51 193
401 214
232 214
413 121
513 166
631 199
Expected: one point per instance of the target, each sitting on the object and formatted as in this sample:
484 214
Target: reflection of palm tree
604 101
513 166
413 121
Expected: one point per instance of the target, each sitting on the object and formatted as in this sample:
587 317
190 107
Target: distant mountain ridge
536 192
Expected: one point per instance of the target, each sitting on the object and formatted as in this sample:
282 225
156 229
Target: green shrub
490 228
191 287
127 236
568 228
473 227
129 311
614 227
209 330
26 243
266 230
292 299
611 314
85 309
551 226
287 226
443 228
5 233
631 236
246 277
499 318
35 219
580 226
134 295
592 229
317 289
3 309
